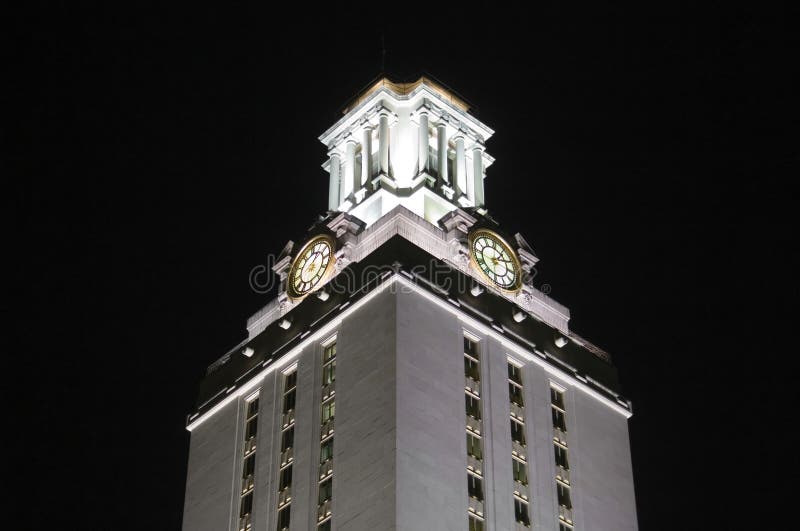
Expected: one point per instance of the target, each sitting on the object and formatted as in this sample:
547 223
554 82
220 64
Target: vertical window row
249 464
519 460
288 399
327 414
560 451
472 392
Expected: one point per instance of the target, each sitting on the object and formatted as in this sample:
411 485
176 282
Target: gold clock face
495 259
311 266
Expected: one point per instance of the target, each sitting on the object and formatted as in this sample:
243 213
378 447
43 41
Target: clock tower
408 375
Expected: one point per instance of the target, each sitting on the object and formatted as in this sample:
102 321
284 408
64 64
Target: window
474 446
520 471
289 385
473 406
283 518
558 420
329 353
249 467
288 401
515 373
252 408
326 450
471 369
521 512
563 527
325 526
287 438
563 495
557 398
285 478
517 432
251 429
475 524
247 505
471 348
475 486
328 410
561 456
329 373
325 490
515 394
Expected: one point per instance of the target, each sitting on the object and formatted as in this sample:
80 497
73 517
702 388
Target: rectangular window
328 410
471 348
325 526
249 467
515 394
325 490
558 420
475 486
252 408
564 527
520 471
287 438
247 505
474 446
475 523
288 401
283 518
564 499
329 373
517 432
473 406
251 429
557 398
515 373
521 512
285 478
561 456
329 353
326 451
472 369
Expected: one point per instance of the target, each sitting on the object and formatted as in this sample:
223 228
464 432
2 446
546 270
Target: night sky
156 154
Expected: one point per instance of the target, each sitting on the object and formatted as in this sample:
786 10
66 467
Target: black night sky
157 153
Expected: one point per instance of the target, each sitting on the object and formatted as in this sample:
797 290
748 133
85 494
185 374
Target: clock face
495 260
311 266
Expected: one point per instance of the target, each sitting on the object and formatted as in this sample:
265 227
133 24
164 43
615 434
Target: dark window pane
249 466
475 524
557 398
563 495
252 407
286 478
251 429
325 490
291 381
521 512
514 373
474 446
515 394
471 348
247 504
287 439
517 432
473 406
325 526
475 486
283 518
288 401
561 457
471 369
558 420
326 451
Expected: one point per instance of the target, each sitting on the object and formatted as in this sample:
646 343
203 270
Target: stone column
333 191
441 133
349 168
383 141
461 165
423 141
366 158
477 175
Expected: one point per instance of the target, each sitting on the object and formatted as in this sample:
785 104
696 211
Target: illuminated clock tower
408 375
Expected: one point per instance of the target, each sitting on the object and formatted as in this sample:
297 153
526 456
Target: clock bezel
474 235
290 290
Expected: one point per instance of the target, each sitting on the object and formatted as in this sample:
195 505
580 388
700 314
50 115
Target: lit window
517 432
564 499
521 512
474 446
326 450
561 456
520 471
473 406
329 353
329 373
475 523
328 410
475 486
